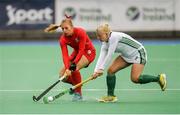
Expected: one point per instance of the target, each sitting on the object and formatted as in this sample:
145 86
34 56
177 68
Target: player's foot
77 97
108 99
162 81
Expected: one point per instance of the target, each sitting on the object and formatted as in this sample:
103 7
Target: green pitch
28 69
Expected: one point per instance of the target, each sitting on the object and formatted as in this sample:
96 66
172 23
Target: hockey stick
48 89
46 100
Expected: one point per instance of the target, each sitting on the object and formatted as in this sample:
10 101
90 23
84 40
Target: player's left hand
97 74
68 72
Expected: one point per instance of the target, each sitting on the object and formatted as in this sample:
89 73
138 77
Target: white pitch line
89 114
46 60
91 90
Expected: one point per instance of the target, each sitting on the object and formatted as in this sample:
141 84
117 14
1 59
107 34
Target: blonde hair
67 20
103 28
53 27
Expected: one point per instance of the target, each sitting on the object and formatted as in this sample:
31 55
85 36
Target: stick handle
81 83
61 78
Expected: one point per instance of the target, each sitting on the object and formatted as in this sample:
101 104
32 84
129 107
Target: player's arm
64 51
69 67
112 47
98 71
106 58
73 55
101 57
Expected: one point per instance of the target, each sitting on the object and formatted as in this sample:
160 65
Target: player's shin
147 78
111 82
77 79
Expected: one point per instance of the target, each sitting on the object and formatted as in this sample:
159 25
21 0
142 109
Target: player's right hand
97 74
68 72
94 75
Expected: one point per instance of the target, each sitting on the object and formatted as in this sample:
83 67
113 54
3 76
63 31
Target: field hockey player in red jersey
82 55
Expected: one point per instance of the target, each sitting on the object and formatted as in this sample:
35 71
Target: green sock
111 82
147 79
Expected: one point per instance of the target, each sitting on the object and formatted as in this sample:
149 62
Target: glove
72 67
71 91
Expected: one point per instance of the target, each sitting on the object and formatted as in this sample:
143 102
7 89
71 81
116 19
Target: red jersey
79 41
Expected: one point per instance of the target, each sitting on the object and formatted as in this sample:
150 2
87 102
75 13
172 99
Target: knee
134 79
110 71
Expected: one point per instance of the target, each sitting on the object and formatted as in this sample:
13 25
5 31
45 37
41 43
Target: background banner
122 15
26 14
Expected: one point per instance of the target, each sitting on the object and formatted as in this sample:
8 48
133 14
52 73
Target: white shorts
139 57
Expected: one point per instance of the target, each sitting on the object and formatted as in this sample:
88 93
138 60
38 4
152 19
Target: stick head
34 98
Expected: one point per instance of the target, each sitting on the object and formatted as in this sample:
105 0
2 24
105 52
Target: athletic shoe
77 97
107 99
162 81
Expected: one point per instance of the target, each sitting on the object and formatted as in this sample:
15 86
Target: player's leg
76 76
138 77
85 60
74 79
68 79
118 64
